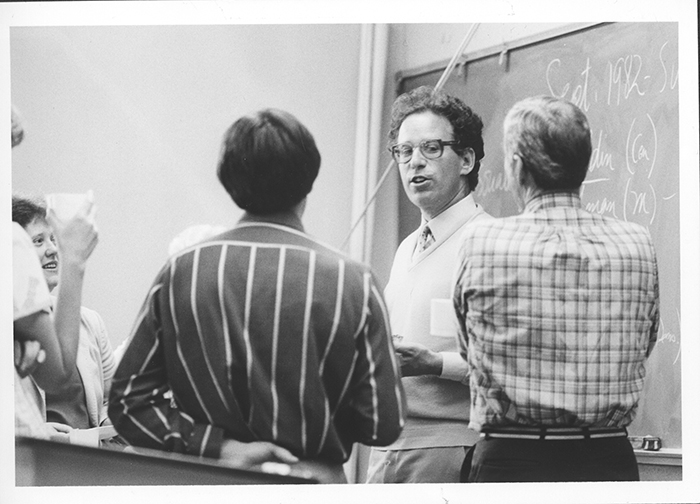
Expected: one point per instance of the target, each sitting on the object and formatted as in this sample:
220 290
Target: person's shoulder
89 313
631 236
480 218
485 224
624 225
616 226
93 321
327 256
488 233
408 243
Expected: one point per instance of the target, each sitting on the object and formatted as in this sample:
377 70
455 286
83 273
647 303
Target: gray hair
552 137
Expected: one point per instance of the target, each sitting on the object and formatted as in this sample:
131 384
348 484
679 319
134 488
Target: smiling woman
30 213
81 403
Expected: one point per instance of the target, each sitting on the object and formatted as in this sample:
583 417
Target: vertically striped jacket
261 333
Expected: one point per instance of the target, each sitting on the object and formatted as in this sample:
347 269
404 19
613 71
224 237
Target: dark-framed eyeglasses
431 149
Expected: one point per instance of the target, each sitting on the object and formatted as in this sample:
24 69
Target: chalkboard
624 76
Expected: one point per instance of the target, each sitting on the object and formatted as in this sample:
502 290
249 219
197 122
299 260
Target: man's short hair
25 209
466 124
268 161
553 139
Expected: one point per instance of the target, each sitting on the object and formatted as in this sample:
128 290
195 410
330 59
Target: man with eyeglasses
436 141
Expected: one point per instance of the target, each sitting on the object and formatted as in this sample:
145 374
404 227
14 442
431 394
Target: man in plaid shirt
558 311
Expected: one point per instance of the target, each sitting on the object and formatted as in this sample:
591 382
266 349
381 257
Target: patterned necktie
425 240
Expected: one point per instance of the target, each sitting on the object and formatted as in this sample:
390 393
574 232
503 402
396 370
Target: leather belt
553 433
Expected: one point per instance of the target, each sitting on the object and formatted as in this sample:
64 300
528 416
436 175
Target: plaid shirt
558 311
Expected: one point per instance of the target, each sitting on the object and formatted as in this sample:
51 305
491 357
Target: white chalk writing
579 95
672 79
641 147
491 181
622 78
599 157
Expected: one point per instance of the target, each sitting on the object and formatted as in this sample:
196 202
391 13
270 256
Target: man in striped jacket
274 346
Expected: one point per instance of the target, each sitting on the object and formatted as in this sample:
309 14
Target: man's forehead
425 123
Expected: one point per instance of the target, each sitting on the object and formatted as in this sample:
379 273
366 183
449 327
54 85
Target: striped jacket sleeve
139 406
377 405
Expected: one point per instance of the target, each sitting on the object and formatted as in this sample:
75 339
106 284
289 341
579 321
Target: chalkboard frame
470 57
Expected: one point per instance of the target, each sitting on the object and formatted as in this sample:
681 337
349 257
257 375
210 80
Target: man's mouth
418 179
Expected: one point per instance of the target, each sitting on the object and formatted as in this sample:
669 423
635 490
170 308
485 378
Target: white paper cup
443 321
85 437
106 432
66 205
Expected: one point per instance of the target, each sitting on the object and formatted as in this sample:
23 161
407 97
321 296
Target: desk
47 463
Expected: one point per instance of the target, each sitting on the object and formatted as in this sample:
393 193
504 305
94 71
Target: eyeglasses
431 149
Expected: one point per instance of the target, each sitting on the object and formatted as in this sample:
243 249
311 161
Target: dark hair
553 139
466 124
25 209
268 162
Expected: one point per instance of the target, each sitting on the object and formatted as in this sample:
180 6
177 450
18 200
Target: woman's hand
28 356
76 236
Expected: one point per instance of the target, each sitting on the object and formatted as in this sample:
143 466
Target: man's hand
417 359
28 356
247 455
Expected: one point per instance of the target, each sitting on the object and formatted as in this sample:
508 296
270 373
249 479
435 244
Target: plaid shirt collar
553 199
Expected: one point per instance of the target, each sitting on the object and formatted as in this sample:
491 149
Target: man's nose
417 158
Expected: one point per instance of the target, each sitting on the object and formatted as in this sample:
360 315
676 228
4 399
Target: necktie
425 240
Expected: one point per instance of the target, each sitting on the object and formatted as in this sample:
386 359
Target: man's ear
468 161
513 167
519 174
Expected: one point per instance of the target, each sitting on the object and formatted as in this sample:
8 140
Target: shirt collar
284 218
553 199
444 224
